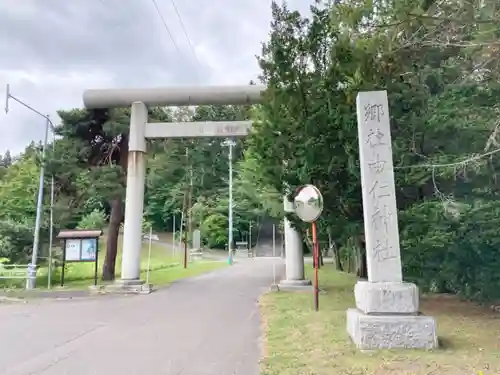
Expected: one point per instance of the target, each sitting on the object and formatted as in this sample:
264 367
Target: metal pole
315 261
185 217
179 244
173 233
250 236
7 97
185 248
190 206
230 234
31 281
51 229
274 254
149 255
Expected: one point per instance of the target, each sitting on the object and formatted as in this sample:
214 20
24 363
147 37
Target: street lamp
230 143
31 280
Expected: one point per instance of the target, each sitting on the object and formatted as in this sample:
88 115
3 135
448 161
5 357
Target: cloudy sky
52 50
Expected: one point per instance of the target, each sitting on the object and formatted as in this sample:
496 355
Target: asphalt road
205 325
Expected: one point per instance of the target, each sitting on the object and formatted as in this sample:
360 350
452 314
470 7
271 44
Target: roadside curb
4 299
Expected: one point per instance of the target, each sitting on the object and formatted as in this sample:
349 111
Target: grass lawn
165 267
300 341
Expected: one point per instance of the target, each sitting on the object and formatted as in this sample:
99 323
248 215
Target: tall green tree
19 189
18 199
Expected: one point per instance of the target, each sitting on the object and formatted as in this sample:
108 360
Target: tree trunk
349 261
362 267
115 219
336 255
338 261
335 252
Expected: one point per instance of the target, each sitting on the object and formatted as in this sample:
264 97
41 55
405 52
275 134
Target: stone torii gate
140 130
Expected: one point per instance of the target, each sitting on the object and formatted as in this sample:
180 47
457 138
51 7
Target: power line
166 26
185 32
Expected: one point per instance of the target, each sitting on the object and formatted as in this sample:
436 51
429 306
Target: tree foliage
93 220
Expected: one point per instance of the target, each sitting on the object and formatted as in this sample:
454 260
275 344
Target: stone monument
196 239
387 309
196 252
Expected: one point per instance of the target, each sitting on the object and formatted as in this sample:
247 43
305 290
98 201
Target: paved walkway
205 325
265 249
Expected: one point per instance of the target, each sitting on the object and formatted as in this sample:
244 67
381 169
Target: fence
14 275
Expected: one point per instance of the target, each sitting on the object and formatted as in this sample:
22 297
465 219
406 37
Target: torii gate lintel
174 96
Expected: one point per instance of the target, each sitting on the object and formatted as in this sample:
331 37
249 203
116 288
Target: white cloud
46 92
52 50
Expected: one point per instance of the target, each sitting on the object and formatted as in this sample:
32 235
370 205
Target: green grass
164 269
299 340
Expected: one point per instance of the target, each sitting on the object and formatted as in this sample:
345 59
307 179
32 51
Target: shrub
16 241
94 220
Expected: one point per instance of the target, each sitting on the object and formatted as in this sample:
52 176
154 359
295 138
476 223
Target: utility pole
31 281
186 209
51 225
250 235
274 254
230 143
173 234
190 205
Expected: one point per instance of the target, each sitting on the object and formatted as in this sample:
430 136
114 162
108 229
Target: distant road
265 249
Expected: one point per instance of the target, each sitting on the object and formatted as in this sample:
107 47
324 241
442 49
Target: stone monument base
123 287
391 331
296 286
387 297
195 254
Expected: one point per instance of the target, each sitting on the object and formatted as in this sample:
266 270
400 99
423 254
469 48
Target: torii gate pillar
134 196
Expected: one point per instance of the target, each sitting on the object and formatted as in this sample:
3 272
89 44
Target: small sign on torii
197 129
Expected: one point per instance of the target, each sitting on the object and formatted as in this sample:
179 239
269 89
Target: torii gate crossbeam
174 96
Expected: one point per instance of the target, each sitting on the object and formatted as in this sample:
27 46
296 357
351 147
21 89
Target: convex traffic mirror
308 203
